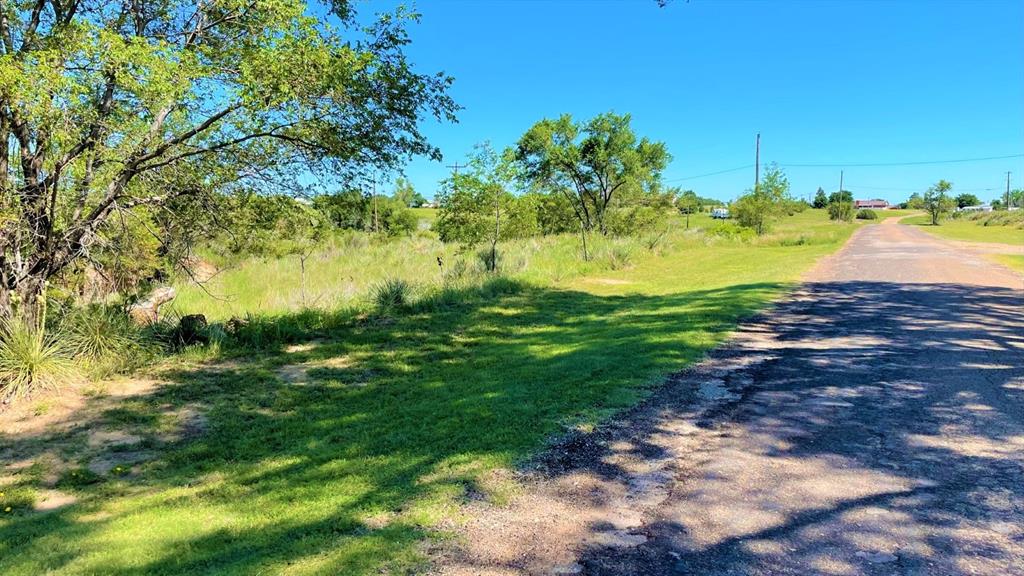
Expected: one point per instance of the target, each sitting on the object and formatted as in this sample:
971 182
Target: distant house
876 203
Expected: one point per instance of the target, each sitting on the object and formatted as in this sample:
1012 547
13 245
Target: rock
877 557
192 329
234 324
146 312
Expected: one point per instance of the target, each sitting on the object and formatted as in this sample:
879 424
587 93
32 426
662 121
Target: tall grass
356 270
32 360
104 340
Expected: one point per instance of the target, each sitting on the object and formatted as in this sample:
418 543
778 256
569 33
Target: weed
78 478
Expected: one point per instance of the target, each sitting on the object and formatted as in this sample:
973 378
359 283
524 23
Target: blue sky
823 82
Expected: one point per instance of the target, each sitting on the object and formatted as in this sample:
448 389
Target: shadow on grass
341 455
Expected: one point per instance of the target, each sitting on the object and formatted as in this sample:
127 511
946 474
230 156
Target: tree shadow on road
882 431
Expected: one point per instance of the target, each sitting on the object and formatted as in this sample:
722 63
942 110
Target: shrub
733 231
866 214
392 293
31 360
104 339
842 211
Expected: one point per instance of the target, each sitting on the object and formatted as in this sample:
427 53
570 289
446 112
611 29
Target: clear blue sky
824 83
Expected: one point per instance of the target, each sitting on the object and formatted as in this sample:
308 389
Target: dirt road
871 424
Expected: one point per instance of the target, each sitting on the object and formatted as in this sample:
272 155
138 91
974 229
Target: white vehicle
720 213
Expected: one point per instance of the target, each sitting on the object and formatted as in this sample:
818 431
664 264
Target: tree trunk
583 235
25 303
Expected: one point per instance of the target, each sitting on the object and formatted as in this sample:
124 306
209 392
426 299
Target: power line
863 165
920 188
914 163
737 169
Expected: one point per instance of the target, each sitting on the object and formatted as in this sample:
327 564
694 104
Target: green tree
1014 199
353 210
841 196
477 205
820 199
555 214
418 200
758 208
112 109
840 206
937 202
404 191
842 211
688 203
915 202
348 209
592 163
967 199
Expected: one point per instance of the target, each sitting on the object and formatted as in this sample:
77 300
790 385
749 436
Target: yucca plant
392 293
105 340
31 360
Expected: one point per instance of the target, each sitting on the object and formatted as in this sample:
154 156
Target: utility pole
841 195
757 162
455 169
1007 190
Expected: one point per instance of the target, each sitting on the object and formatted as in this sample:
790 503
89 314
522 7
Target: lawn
1012 261
982 228
344 454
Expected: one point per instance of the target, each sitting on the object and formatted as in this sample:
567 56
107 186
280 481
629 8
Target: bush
392 293
866 214
633 220
31 360
842 211
354 210
733 231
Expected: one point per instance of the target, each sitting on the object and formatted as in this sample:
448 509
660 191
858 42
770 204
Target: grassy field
426 216
342 455
1002 228
1012 261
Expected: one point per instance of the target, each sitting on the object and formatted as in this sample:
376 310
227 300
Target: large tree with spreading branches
592 163
115 110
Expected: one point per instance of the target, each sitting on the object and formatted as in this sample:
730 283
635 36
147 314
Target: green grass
995 227
346 467
426 216
1012 261
883 214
